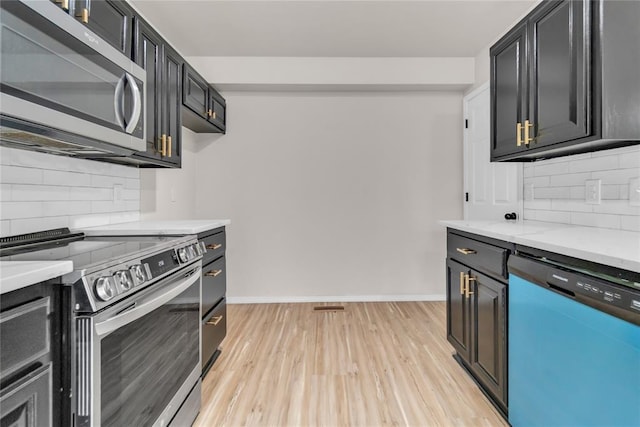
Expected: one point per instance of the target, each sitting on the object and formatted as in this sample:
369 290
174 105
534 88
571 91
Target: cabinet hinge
466 123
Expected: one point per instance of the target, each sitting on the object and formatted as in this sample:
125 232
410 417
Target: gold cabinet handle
518 134
215 320
213 116
468 279
527 125
462 282
169 144
63 4
163 147
466 251
210 113
213 273
214 247
84 15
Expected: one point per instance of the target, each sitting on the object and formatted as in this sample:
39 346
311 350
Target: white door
490 189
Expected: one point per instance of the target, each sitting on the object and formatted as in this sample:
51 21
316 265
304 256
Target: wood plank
373 364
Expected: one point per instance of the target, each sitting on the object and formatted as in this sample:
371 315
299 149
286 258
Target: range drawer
215 244
214 284
478 255
214 329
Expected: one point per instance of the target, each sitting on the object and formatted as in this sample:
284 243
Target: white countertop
19 274
151 228
617 248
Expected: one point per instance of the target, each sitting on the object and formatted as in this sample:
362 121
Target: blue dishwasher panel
569 364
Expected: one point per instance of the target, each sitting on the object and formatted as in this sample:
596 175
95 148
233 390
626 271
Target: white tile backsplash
42 191
559 189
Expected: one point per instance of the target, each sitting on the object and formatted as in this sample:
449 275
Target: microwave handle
146 305
117 101
137 104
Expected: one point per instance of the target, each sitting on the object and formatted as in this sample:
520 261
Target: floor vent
329 308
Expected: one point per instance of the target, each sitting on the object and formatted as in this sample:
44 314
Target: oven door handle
146 305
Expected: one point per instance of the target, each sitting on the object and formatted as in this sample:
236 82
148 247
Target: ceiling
332 28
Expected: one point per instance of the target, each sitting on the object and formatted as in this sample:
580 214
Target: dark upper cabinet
112 20
565 81
164 84
205 108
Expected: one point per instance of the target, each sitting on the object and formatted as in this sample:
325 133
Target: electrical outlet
634 191
592 191
117 192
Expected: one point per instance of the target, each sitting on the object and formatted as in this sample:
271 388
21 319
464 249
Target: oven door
138 360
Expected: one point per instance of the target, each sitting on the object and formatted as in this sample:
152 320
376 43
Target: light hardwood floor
373 364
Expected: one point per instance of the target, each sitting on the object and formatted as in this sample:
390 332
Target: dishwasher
574 344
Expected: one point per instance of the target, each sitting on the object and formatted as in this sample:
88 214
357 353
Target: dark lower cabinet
213 296
30 357
477 310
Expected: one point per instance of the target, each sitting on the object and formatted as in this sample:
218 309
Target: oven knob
123 280
192 251
203 247
138 275
105 288
183 256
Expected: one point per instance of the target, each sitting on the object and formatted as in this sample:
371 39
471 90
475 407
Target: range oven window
144 363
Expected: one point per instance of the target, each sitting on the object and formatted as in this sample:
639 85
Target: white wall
334 196
171 193
42 191
555 189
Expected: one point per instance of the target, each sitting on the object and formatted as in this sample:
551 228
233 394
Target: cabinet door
458 313
560 81
195 92
508 91
217 108
488 319
172 104
110 19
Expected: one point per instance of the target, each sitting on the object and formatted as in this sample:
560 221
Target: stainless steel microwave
63 89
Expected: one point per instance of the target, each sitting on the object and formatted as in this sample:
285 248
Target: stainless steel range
131 322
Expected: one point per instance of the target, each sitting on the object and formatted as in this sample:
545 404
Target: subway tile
577 192
537 181
551 169
630 223
594 164
132 183
132 205
571 206
21 226
93 220
20 175
619 176
30 159
530 215
610 192
617 207
66 208
107 206
106 181
5 227
22 192
544 204
131 194
621 150
553 216
5 192
70 179
624 192
589 219
569 179
90 193
16 210
527 171
630 161
563 159
552 193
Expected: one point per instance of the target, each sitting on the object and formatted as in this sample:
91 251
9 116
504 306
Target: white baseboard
343 298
